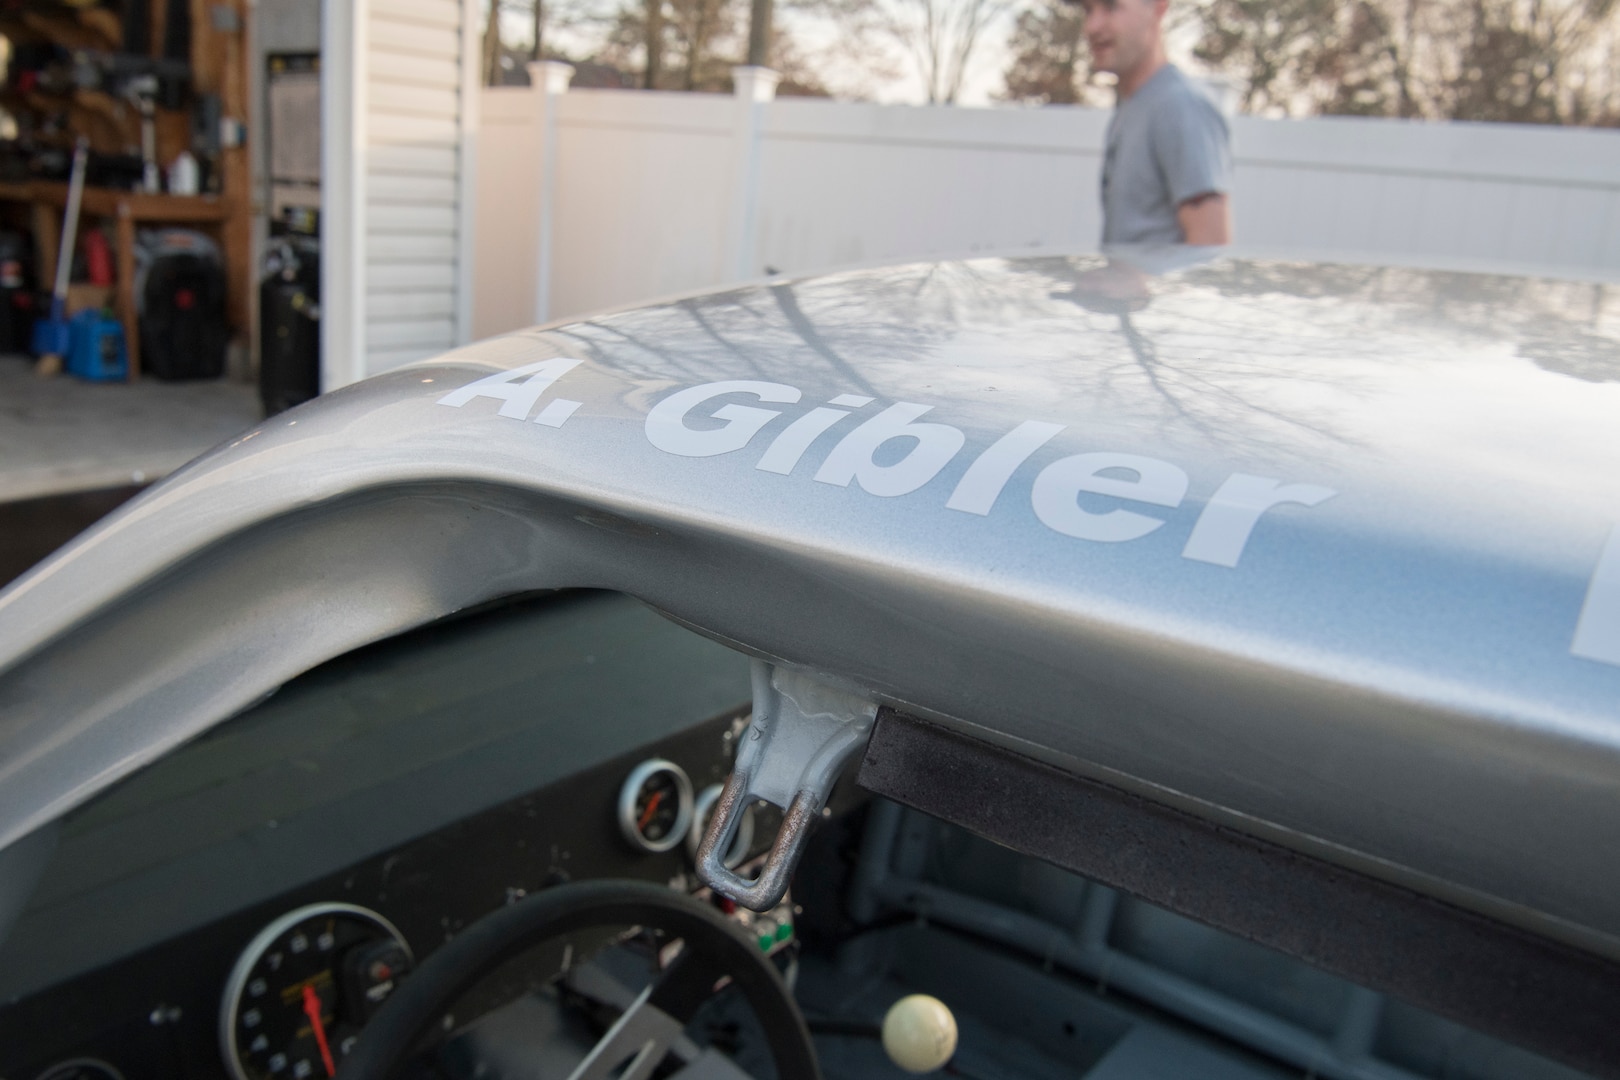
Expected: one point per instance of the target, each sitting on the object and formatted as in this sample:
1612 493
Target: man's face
1122 33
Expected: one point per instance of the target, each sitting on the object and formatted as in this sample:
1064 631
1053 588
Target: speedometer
304 987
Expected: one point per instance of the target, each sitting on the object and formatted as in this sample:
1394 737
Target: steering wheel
715 948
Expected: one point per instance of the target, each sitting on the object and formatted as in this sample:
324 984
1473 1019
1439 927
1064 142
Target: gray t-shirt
1166 144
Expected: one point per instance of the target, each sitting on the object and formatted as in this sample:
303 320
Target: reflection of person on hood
1118 288
1168 165
1122 285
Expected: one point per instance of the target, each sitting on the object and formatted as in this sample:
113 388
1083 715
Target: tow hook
803 730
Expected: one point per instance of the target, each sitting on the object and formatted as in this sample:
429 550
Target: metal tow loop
803 730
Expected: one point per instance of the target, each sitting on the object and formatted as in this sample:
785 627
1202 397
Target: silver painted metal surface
742 841
802 733
1030 498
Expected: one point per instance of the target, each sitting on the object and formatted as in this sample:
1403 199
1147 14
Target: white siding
414 128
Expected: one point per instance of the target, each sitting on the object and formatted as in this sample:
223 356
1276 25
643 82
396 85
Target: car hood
1325 553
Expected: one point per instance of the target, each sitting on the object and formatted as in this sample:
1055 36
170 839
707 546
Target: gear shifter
919 1033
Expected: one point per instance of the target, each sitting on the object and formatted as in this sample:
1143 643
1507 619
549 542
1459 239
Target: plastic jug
96 350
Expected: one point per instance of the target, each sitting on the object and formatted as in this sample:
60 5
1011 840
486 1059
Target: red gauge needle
312 1009
652 808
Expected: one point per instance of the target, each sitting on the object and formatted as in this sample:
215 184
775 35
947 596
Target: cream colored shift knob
919 1033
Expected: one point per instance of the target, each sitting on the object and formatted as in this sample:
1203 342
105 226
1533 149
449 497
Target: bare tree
654 44
940 36
856 58
672 44
759 32
1048 62
1542 61
491 58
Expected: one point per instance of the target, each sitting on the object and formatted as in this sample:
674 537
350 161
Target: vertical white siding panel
343 192
420 118
467 166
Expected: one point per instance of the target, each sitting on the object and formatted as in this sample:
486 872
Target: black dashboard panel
432 778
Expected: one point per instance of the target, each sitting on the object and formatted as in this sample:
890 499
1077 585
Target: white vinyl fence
637 195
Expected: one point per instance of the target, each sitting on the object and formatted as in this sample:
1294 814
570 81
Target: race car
1108 666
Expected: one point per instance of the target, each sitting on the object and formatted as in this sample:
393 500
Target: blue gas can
96 347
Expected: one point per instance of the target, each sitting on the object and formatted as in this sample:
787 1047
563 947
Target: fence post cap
550 76
755 84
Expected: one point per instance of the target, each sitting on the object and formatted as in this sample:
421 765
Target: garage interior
188 305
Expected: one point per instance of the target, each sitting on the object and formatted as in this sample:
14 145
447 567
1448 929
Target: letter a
519 397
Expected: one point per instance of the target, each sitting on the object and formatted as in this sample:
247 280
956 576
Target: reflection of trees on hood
1567 327
1213 369
847 323
1259 359
1586 356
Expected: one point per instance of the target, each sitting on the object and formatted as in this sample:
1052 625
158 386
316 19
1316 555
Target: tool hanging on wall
142 91
51 334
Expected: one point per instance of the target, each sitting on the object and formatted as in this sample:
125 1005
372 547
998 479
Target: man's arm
1205 219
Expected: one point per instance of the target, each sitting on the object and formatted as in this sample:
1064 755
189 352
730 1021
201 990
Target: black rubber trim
1540 994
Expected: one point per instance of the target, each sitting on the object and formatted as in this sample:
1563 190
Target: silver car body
1327 554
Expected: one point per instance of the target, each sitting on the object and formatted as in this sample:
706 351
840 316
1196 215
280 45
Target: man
1168 168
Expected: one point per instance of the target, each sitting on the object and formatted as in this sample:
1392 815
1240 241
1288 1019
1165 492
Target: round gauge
304 987
655 805
703 810
81 1069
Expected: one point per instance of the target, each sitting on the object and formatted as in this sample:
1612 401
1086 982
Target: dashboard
241 907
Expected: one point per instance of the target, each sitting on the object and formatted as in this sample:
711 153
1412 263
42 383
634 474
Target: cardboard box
82 297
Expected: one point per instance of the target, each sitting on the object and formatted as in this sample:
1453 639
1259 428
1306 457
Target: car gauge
304 987
655 805
81 1069
703 810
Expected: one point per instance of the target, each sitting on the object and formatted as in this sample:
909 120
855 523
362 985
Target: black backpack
180 299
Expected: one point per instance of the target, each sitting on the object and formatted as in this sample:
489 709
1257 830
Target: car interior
246 906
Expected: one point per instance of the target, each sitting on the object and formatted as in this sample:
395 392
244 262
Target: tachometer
655 805
304 987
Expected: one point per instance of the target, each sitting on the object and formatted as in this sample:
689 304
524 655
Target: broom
51 334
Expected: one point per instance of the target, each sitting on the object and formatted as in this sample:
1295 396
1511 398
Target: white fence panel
1468 196
646 186
847 183
506 226
644 182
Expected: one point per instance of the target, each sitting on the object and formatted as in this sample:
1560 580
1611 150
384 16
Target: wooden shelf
93 29
126 208
105 202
